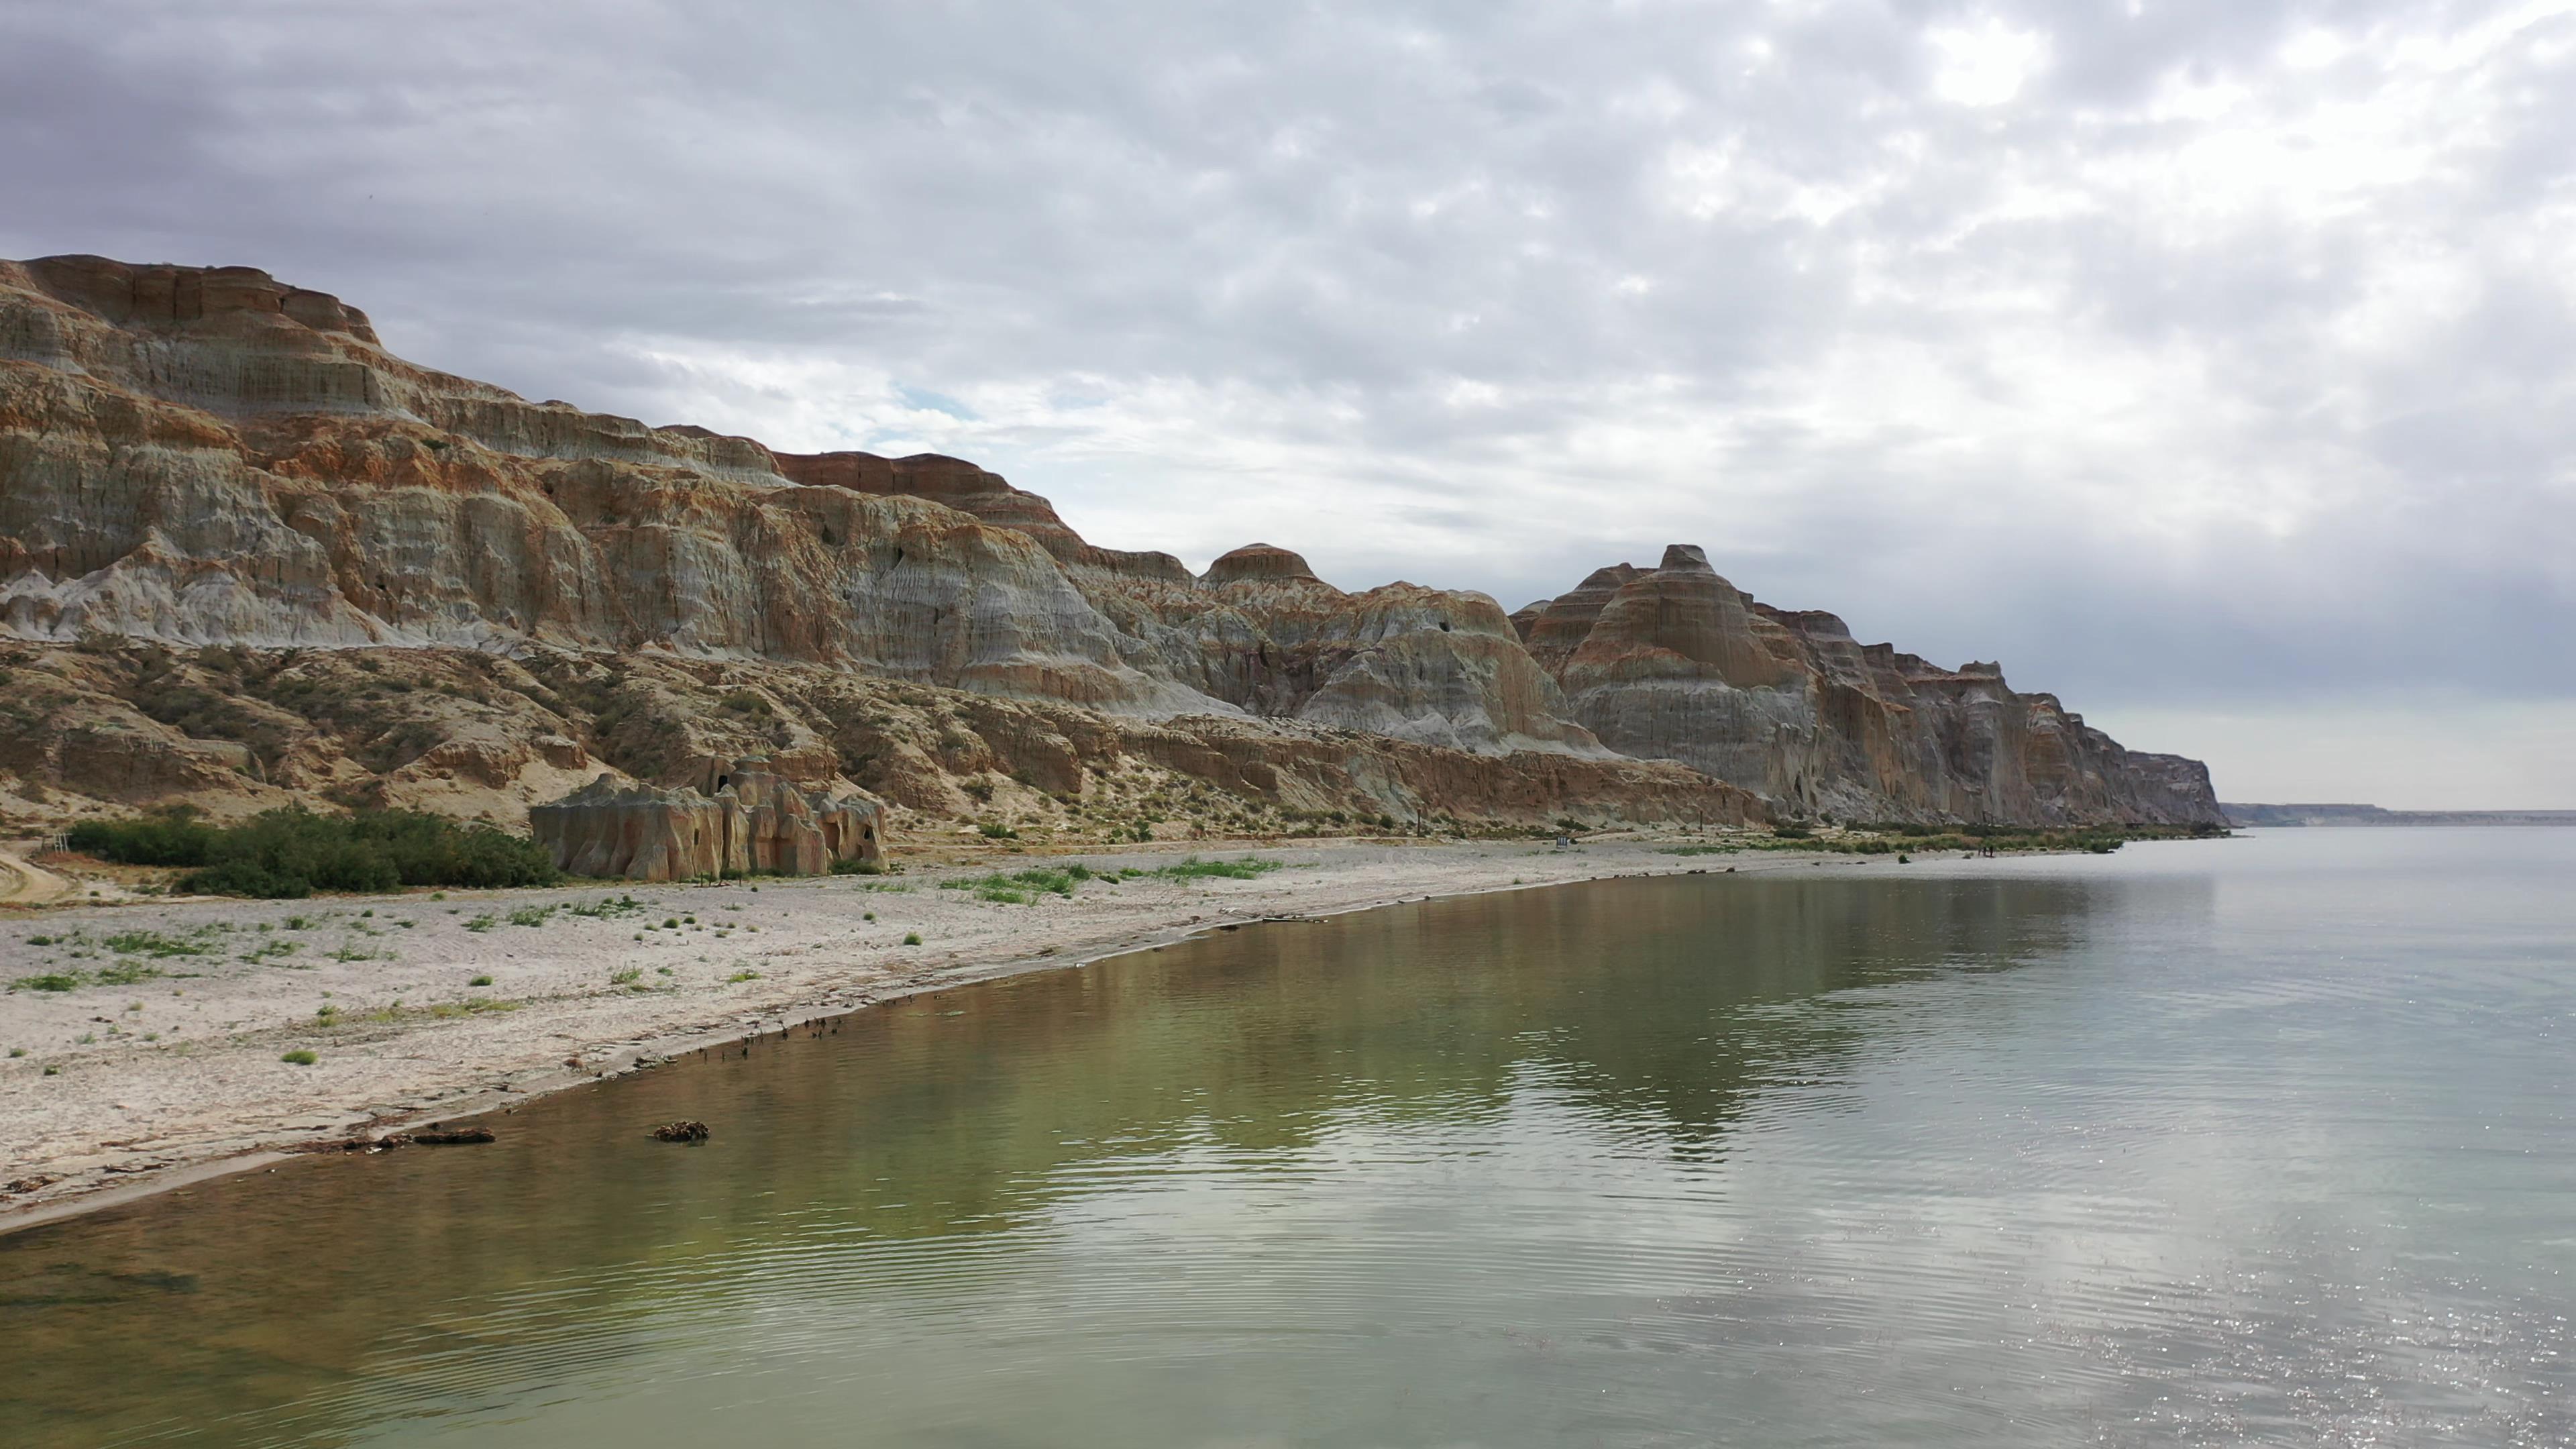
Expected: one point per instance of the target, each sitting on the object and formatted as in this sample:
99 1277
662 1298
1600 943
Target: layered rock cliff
1675 663
196 459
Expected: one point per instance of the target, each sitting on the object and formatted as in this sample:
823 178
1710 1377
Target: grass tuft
1247 868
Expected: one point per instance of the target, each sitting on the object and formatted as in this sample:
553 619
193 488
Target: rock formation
753 822
1675 663
214 485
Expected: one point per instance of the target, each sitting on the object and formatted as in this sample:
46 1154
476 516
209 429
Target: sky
2210 363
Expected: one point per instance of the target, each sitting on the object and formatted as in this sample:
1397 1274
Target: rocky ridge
247 554
1676 663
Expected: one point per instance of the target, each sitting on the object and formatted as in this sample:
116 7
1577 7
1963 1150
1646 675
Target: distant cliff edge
2281 815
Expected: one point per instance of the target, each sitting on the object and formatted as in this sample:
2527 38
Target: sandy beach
164 1063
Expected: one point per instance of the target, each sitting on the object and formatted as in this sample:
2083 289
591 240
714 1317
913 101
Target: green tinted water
2264 1140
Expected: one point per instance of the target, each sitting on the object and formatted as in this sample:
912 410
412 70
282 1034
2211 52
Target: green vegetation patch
175 838
293 852
1247 868
154 943
126 946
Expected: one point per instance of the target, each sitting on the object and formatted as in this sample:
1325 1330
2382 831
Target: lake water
2254 1141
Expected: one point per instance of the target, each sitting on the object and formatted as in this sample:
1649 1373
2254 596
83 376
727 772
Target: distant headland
2278 815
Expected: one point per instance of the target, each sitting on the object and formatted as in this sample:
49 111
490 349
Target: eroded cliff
1675 663
221 498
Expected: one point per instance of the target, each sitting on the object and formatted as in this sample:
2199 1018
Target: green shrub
172 839
912 938
291 853
1793 830
480 981
300 1058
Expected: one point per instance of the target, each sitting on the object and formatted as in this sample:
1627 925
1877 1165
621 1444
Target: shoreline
532 993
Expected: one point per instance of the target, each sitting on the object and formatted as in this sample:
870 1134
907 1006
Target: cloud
2188 356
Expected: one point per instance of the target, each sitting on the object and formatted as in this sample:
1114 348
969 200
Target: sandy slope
22 884
139 1085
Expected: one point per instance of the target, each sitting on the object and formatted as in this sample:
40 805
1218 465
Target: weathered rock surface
753 821
197 458
1676 663
233 730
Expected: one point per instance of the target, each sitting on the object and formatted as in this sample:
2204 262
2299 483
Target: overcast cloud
2210 363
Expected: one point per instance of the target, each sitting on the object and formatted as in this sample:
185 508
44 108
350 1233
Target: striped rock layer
205 457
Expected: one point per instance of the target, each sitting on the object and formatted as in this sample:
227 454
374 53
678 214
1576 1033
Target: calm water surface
2256 1141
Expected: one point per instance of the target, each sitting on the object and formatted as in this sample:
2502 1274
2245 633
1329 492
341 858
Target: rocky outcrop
1676 663
754 822
206 457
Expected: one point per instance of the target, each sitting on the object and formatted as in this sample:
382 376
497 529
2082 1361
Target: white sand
131 1088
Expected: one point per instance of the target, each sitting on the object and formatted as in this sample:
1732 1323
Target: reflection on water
2254 1140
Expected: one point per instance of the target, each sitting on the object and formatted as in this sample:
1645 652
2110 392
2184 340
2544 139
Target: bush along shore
291 853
